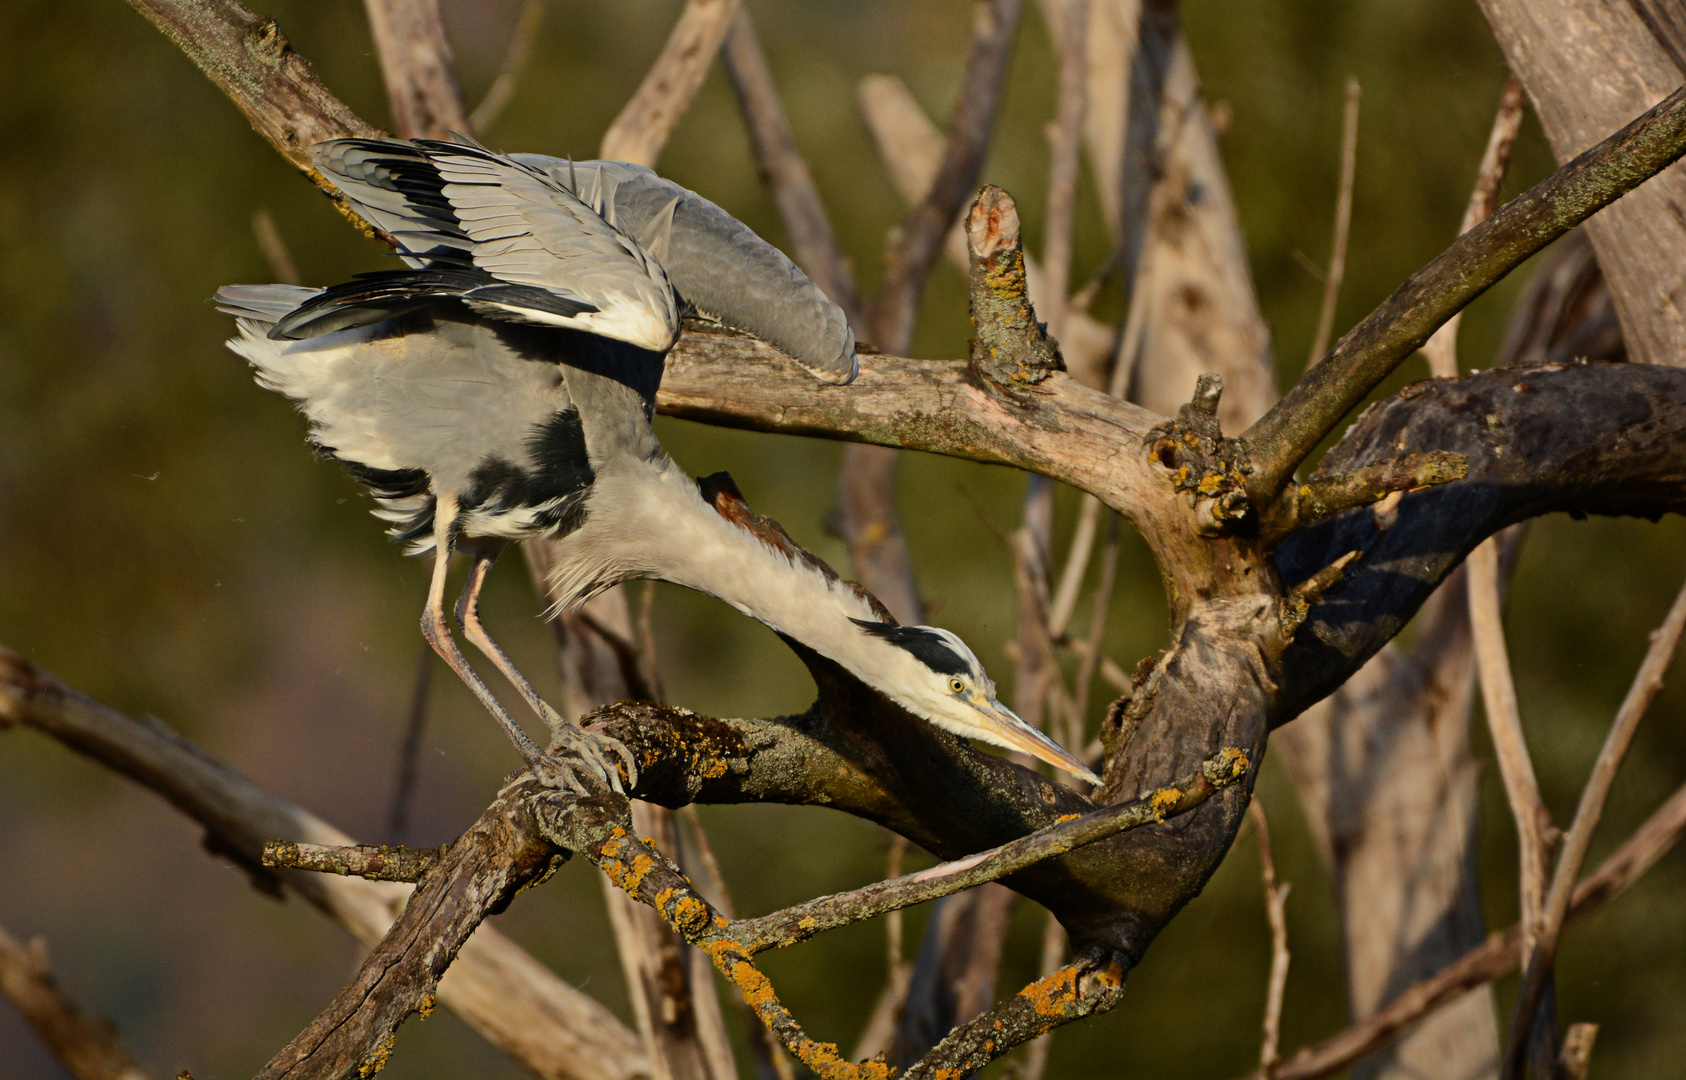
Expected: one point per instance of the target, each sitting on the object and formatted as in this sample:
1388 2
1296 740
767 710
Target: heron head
931 673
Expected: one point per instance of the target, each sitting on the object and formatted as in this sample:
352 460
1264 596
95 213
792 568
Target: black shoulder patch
927 648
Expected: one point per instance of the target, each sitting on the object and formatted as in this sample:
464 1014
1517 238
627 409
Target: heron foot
588 752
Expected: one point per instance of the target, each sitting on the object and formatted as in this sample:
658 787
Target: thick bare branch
1588 66
420 72
501 991
1389 334
645 122
89 1048
478 876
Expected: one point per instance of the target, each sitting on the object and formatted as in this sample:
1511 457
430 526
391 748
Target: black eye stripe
926 646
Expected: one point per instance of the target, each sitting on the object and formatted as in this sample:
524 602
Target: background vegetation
168 544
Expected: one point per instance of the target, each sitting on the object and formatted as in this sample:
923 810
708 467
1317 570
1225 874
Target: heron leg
438 633
589 745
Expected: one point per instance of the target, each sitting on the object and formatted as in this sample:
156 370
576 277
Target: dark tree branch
1369 351
1582 439
477 877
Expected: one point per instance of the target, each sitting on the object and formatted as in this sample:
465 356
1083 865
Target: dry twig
1498 954
1276 910
1343 225
1441 350
1665 640
89 1048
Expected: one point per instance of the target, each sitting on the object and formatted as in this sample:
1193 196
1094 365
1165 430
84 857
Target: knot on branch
1012 350
1208 469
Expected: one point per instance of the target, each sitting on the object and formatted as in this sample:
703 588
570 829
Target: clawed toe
588 754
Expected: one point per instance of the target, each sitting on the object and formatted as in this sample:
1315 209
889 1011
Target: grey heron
501 387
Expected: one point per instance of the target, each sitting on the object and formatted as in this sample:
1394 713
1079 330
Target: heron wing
459 206
715 262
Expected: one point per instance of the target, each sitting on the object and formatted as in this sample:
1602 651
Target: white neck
644 525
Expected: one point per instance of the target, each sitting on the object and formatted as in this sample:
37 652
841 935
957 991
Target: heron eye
955 686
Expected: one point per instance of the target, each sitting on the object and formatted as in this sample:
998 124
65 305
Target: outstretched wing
520 245
715 262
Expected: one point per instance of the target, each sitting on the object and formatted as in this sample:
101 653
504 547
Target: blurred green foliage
168 544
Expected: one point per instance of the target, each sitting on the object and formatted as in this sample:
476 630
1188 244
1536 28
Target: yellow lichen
1063 818
1165 800
428 1002
376 1061
1052 995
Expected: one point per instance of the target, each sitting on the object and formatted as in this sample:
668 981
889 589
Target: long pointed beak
1011 731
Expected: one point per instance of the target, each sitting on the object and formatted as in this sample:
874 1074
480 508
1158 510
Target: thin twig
771 1063
1276 910
802 921
1495 956
274 249
89 1048
1441 350
373 862
1498 694
1076 566
650 115
502 91
1343 224
1665 640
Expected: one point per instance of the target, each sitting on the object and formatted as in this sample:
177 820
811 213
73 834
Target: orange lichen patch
808 922
377 1059
640 869
713 769
1165 800
690 915
828 1064
1230 763
611 848
1111 975
1053 995
428 1002
1063 818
